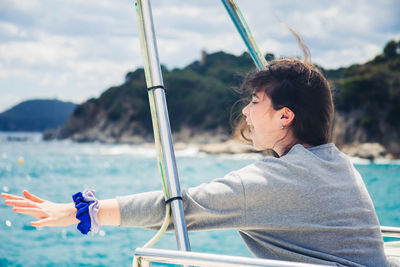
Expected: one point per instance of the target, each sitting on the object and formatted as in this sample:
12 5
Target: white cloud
12 30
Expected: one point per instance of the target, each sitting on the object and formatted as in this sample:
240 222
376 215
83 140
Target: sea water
55 170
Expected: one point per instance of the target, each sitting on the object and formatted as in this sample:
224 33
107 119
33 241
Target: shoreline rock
370 151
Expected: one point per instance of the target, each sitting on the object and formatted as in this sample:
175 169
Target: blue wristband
82 213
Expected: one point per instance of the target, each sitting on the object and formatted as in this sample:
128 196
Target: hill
200 97
36 115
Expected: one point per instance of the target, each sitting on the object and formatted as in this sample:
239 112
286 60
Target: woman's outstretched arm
59 214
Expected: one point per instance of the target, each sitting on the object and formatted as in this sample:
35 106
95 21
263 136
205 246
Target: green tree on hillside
373 88
392 49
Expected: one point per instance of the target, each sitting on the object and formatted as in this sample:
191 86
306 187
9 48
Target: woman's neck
283 146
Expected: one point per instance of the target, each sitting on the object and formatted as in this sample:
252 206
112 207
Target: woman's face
264 121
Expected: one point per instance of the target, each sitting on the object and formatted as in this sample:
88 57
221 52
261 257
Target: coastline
215 143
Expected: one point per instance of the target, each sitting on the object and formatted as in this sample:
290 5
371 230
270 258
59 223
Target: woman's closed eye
254 99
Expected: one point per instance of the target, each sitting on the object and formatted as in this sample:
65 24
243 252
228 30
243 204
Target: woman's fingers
27 195
32 197
10 196
43 222
34 212
20 203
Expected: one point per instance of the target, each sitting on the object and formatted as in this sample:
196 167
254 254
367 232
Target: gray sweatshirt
310 205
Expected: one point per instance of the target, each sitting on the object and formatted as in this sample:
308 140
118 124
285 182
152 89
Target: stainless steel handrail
389 231
147 255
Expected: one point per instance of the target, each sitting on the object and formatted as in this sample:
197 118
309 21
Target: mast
161 125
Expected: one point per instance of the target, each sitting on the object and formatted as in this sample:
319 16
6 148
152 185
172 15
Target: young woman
308 204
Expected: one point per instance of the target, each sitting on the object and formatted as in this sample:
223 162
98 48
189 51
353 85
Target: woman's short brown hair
303 89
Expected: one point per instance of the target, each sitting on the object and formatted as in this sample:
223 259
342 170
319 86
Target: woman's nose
245 110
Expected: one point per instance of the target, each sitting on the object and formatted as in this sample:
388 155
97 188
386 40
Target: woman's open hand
48 213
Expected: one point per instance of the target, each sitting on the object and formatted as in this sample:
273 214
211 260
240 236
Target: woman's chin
255 145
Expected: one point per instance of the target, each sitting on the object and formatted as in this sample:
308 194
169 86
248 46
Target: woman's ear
287 116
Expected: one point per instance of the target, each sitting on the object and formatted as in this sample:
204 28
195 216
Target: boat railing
389 231
145 256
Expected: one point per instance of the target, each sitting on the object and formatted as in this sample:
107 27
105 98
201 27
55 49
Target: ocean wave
146 150
360 161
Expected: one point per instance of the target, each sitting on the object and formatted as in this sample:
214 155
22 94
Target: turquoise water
56 170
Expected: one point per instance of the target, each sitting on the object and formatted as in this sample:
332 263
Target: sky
73 50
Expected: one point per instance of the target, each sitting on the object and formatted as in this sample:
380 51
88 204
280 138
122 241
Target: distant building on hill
203 57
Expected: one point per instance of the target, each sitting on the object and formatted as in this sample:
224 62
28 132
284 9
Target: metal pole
244 31
161 125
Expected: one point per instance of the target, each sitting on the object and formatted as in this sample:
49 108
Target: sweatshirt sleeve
215 205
